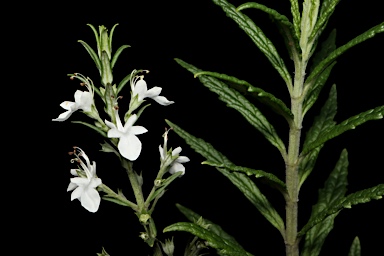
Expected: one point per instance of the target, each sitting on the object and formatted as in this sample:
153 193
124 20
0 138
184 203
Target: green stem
292 162
134 183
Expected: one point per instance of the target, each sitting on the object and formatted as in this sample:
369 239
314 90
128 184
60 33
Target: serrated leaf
336 53
334 190
286 27
359 197
245 184
213 239
117 54
326 10
235 100
92 53
193 217
355 249
246 88
296 17
321 123
258 37
328 46
276 182
200 146
314 91
350 123
308 22
252 192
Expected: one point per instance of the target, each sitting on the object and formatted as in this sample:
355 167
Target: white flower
84 188
176 164
83 100
139 87
129 145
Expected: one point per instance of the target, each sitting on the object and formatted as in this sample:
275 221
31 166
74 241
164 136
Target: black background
199 33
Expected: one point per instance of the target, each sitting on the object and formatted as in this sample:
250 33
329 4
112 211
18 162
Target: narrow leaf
328 46
244 87
252 192
111 36
245 184
258 37
336 53
200 146
350 123
92 53
213 240
359 197
327 8
117 54
193 217
296 17
275 181
97 39
321 123
355 248
308 21
334 190
238 102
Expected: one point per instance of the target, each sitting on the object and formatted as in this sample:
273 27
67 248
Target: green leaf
117 54
359 197
103 253
296 17
308 21
328 46
200 146
350 123
355 248
286 27
326 10
92 53
258 37
110 39
336 53
193 217
244 87
334 190
276 182
245 184
321 123
252 192
238 102
97 39
214 241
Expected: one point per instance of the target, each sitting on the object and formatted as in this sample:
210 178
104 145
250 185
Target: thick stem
292 163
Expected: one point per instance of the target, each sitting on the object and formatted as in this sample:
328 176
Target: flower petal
85 101
63 116
138 130
77 193
90 199
114 133
129 147
153 92
131 120
71 186
140 89
161 150
176 151
162 100
176 167
110 124
182 159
